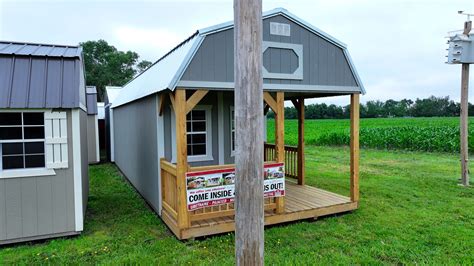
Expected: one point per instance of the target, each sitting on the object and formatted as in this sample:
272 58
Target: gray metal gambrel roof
41 76
165 74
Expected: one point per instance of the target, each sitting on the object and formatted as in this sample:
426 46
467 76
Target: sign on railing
216 187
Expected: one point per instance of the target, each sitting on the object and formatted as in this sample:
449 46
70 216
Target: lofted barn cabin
173 126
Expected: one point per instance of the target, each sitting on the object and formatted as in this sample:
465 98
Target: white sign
216 187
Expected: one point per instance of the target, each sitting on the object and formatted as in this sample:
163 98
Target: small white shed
43 141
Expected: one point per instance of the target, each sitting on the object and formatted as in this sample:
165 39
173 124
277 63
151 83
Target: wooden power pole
464 115
249 219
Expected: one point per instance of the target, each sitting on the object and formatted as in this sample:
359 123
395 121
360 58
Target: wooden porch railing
169 188
291 158
170 194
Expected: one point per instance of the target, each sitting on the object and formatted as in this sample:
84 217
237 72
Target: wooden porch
299 202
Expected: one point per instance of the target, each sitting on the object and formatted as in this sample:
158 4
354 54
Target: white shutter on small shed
55 129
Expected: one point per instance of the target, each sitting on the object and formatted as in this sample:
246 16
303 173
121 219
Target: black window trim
23 140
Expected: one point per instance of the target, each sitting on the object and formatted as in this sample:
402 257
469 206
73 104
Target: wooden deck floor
301 202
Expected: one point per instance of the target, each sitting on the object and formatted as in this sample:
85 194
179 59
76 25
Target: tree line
428 107
107 66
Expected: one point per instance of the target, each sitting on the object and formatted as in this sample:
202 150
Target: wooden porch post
280 141
354 147
301 172
181 156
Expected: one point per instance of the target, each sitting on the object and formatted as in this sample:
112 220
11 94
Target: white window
196 132
22 141
232 130
199 134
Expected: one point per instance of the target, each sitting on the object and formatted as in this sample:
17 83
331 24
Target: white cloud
149 42
397 46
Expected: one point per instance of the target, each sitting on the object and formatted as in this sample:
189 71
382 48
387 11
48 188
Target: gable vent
281 29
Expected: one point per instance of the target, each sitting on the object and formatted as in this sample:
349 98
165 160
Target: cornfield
415 134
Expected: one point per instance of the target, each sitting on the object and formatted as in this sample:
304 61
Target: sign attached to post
216 187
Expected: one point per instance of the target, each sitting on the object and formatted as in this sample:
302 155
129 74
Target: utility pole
464 114
249 219
461 51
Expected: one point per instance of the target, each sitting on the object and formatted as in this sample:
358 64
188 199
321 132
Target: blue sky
398 47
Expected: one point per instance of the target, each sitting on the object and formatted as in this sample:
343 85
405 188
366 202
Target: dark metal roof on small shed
31 49
41 76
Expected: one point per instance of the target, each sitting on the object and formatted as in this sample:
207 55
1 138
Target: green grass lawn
411 211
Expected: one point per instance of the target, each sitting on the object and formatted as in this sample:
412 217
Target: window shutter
55 127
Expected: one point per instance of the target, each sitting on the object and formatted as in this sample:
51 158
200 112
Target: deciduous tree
105 65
